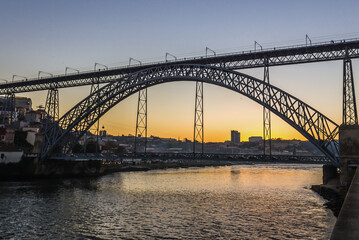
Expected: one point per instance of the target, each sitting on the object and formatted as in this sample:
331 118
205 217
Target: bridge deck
347 225
324 51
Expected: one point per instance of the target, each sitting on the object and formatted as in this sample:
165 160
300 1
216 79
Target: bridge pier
52 105
349 151
349 130
141 120
267 126
198 134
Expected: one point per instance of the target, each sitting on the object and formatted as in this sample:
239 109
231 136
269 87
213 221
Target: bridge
218 69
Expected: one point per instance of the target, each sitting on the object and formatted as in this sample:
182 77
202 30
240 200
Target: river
235 202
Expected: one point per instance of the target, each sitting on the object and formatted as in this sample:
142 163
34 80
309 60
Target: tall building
235 137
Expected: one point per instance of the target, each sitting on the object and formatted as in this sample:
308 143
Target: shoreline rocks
333 193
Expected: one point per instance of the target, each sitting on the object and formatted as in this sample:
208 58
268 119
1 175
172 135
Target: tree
91 147
121 149
110 146
77 148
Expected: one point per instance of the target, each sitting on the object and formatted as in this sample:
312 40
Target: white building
31 134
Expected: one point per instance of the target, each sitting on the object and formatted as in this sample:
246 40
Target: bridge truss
317 128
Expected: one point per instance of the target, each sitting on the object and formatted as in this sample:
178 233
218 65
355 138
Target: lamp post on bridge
308 40
69 68
99 64
168 54
42 72
257 44
132 59
208 49
13 76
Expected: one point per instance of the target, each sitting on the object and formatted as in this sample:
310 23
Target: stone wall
349 151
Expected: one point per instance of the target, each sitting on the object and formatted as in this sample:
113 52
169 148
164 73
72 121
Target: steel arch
313 125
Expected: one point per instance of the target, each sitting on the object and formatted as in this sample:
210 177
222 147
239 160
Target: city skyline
38 38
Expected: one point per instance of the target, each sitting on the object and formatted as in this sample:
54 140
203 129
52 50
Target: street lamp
169 54
132 59
255 45
307 39
69 68
13 76
208 49
99 64
42 72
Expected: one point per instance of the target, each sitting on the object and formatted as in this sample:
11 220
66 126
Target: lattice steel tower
350 116
267 131
141 121
52 105
198 118
52 115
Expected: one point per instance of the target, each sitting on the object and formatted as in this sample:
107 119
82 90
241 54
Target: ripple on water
237 202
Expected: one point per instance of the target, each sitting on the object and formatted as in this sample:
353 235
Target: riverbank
28 169
333 193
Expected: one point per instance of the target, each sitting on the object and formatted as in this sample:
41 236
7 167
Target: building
31 134
20 102
34 116
23 102
103 133
235 137
255 139
7 135
14 109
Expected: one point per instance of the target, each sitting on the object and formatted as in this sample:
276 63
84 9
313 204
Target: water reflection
239 202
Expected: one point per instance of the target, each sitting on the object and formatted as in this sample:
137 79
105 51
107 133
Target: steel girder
313 125
327 51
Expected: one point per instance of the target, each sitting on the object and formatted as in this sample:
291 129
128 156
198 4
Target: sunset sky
51 35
